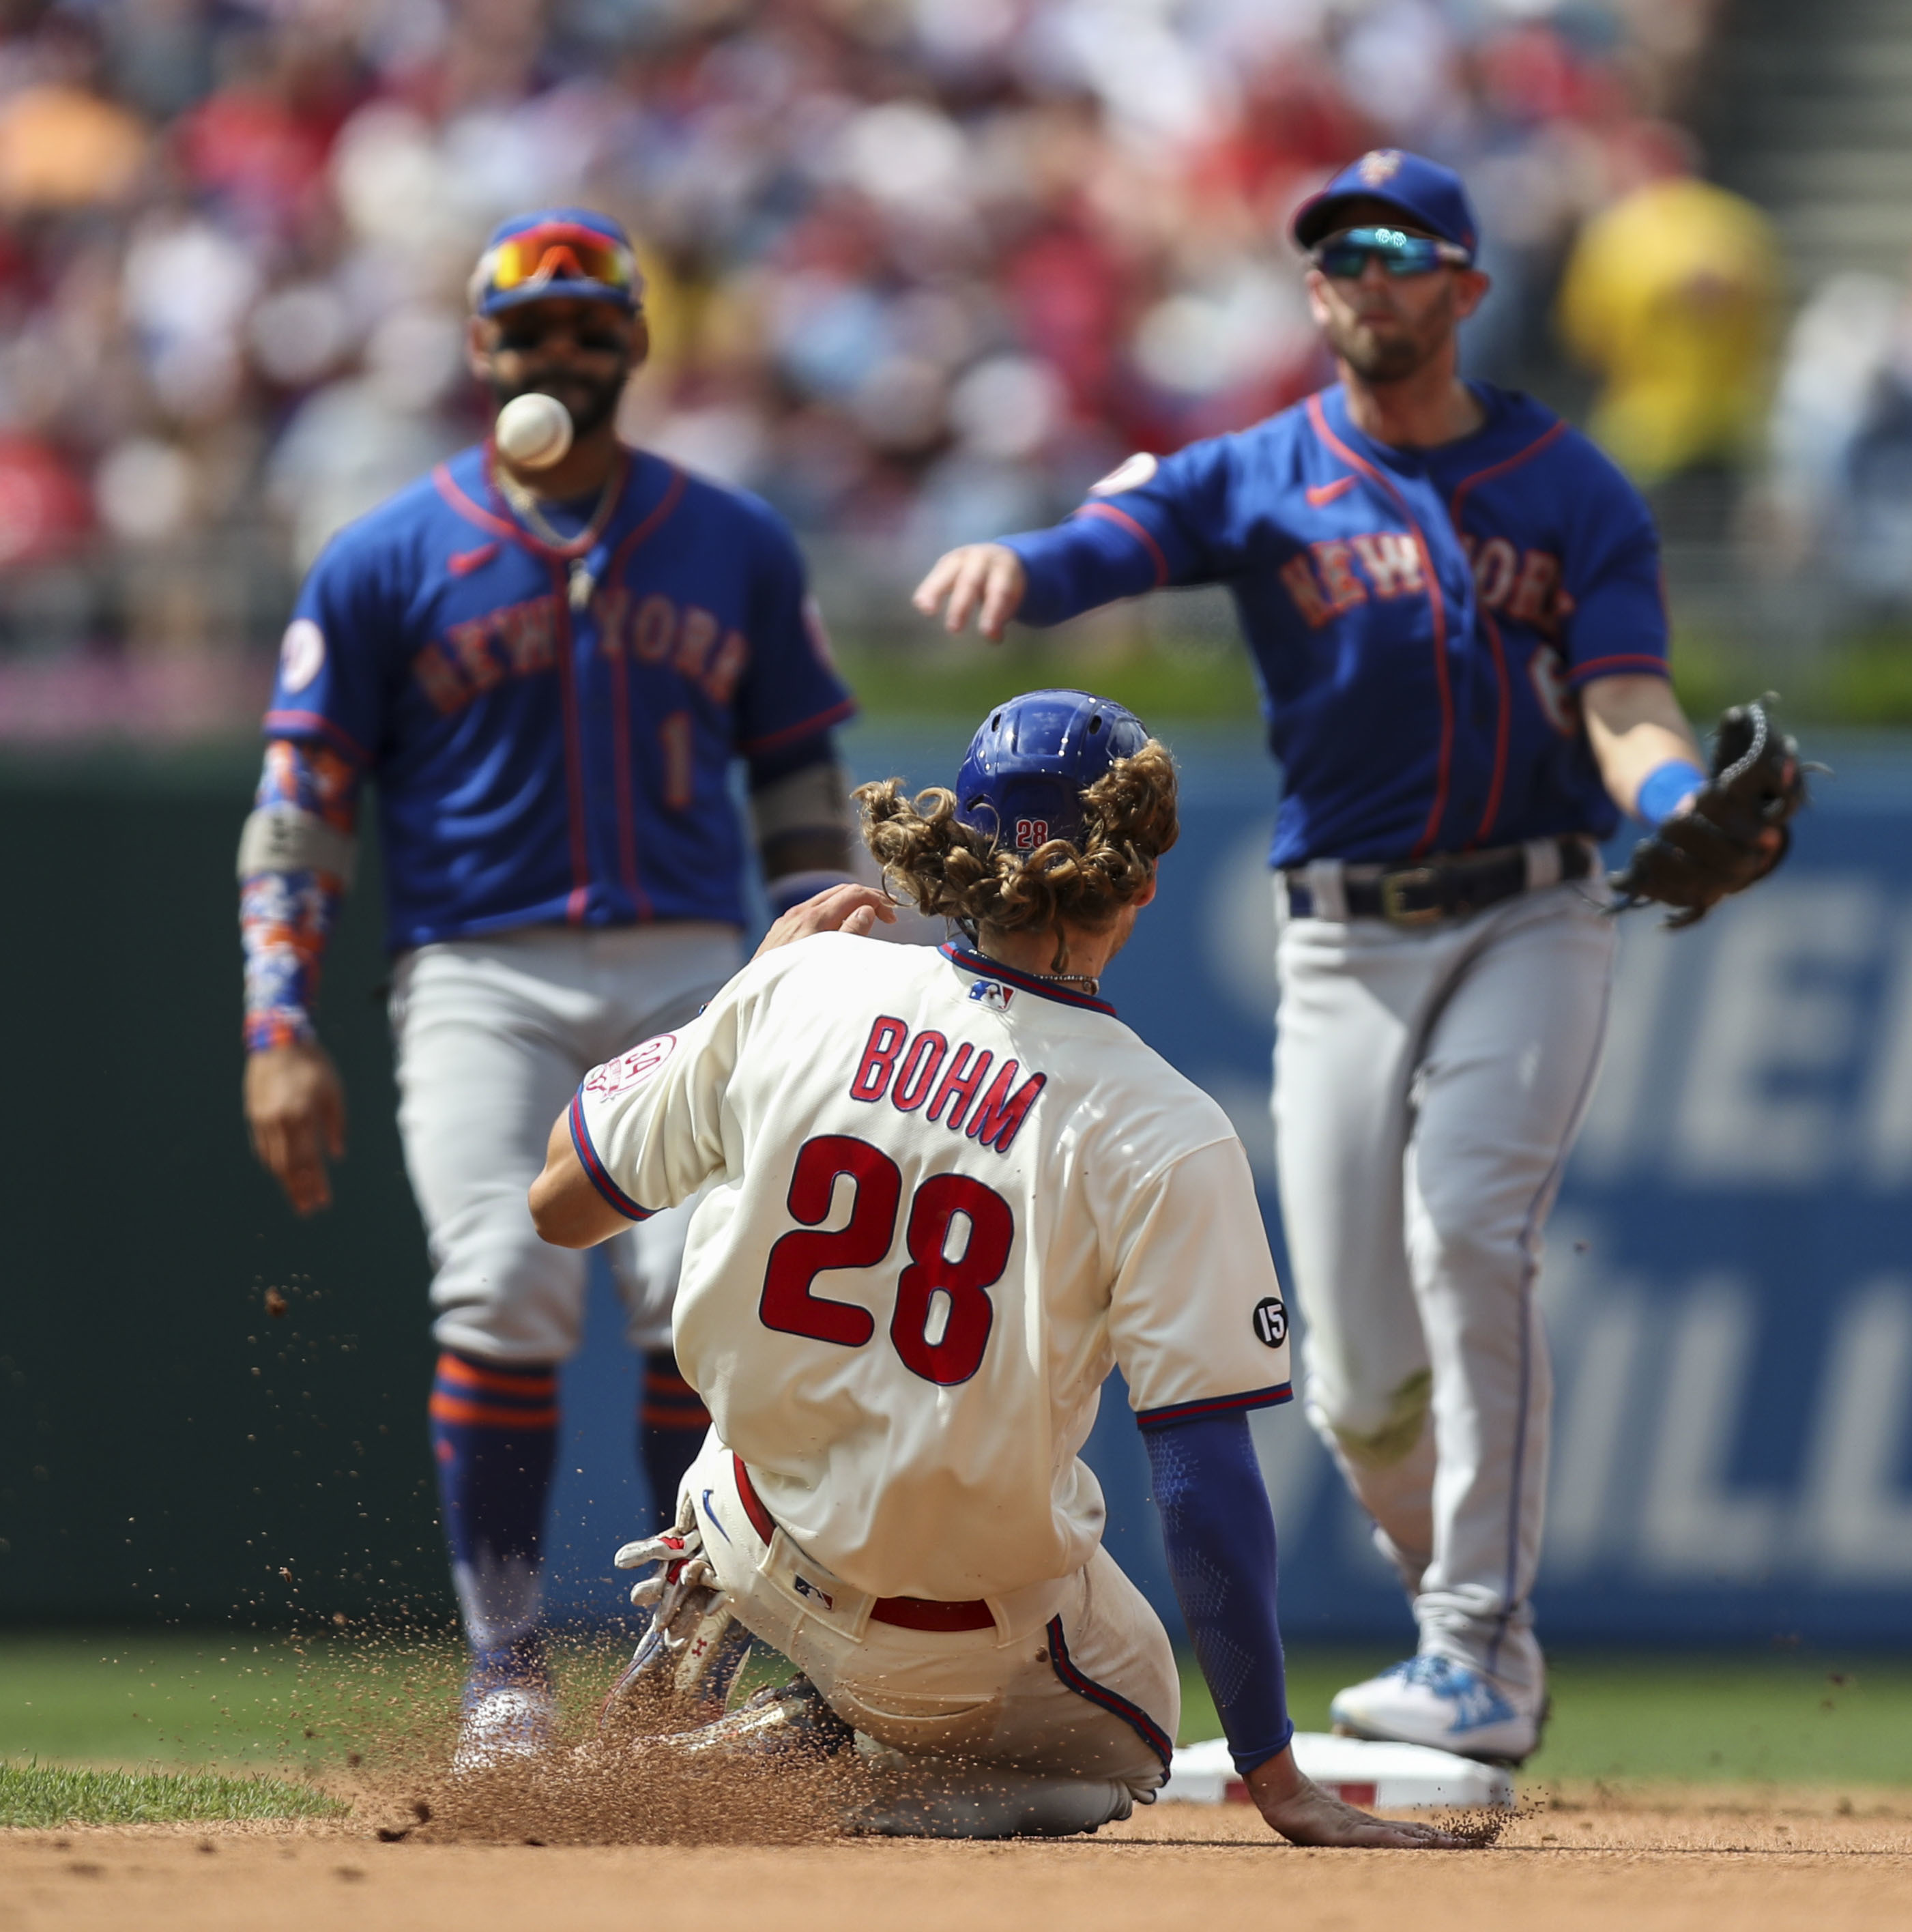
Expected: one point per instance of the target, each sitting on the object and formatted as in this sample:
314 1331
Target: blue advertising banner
1728 1280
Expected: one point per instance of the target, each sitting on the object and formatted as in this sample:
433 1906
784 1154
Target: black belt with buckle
1445 887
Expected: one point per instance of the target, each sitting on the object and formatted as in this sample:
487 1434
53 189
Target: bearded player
546 673
1454 605
949 1191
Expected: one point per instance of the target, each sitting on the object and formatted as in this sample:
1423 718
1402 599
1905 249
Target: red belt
916 1613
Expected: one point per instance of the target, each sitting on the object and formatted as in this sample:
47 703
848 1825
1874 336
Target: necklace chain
525 503
1090 981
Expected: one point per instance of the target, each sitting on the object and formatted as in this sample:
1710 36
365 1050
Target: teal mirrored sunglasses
1346 255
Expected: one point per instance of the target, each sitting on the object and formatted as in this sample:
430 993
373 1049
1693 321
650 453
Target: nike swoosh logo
712 1514
1319 493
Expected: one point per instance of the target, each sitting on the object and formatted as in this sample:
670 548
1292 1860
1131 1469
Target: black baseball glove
1693 860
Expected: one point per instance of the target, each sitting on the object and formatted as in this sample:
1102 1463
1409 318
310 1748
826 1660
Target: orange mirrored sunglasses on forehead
559 254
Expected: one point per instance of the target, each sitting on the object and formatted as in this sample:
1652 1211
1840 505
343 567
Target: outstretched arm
1100 553
295 861
1220 1534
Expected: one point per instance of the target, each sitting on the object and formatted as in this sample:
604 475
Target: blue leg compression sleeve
494 1440
1220 1533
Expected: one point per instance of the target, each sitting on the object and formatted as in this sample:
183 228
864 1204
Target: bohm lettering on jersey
924 1073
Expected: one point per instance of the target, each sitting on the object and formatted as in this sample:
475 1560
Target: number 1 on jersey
789 1304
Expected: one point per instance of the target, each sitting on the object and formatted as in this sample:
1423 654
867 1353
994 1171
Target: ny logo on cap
1382 165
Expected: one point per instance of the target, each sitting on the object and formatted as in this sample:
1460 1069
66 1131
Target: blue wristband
1664 787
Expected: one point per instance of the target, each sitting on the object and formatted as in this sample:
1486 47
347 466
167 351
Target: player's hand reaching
986 580
846 908
295 1109
1303 1813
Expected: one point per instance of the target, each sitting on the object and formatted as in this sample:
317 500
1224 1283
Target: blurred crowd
919 269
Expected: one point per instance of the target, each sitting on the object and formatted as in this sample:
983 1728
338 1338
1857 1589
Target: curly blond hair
1129 822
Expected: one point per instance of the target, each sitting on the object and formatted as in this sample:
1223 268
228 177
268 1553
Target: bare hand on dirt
1303 1813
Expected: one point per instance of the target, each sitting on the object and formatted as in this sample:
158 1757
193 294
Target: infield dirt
1748 1861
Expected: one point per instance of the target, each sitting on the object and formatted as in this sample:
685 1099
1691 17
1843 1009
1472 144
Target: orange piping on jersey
1501 726
506 526
673 495
284 724
626 819
1139 532
1501 723
580 847
1609 666
1435 603
804 728
1500 469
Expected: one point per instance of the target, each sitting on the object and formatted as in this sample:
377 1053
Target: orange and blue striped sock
671 1422
494 1431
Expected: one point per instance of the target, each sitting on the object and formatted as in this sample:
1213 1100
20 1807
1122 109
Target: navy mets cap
1431 196
574 252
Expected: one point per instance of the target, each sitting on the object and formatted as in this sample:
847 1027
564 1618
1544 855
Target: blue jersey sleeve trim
836 714
1140 532
315 724
1081 564
1626 664
1144 1726
600 1176
1220 1404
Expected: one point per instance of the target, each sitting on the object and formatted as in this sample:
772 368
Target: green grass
187 1701
1697 1719
47 1794
198 1698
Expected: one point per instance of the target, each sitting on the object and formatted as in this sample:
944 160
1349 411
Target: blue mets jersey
537 762
1420 620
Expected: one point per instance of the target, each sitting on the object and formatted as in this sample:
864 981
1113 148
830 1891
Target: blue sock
494 1440
671 1422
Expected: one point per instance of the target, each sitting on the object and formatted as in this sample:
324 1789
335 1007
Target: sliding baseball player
949 1191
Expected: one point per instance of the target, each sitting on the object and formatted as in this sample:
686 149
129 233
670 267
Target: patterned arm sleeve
295 864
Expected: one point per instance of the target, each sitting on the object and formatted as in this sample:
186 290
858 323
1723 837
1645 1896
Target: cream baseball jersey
949 1197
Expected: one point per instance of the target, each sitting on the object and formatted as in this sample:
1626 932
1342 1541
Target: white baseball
533 430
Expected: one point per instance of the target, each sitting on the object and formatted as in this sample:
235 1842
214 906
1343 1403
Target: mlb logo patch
992 994
1031 833
805 1587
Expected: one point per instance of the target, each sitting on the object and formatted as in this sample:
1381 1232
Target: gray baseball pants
493 1036
1428 1084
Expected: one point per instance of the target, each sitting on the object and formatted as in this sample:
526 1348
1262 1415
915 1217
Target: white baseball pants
1428 1083
1053 1722
493 1036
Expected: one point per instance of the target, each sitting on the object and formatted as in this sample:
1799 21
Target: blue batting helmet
1032 758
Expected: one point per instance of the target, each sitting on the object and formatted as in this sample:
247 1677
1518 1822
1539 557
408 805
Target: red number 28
790 1306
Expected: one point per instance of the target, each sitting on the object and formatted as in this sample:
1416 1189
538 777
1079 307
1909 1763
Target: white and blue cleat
1445 1705
503 1724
